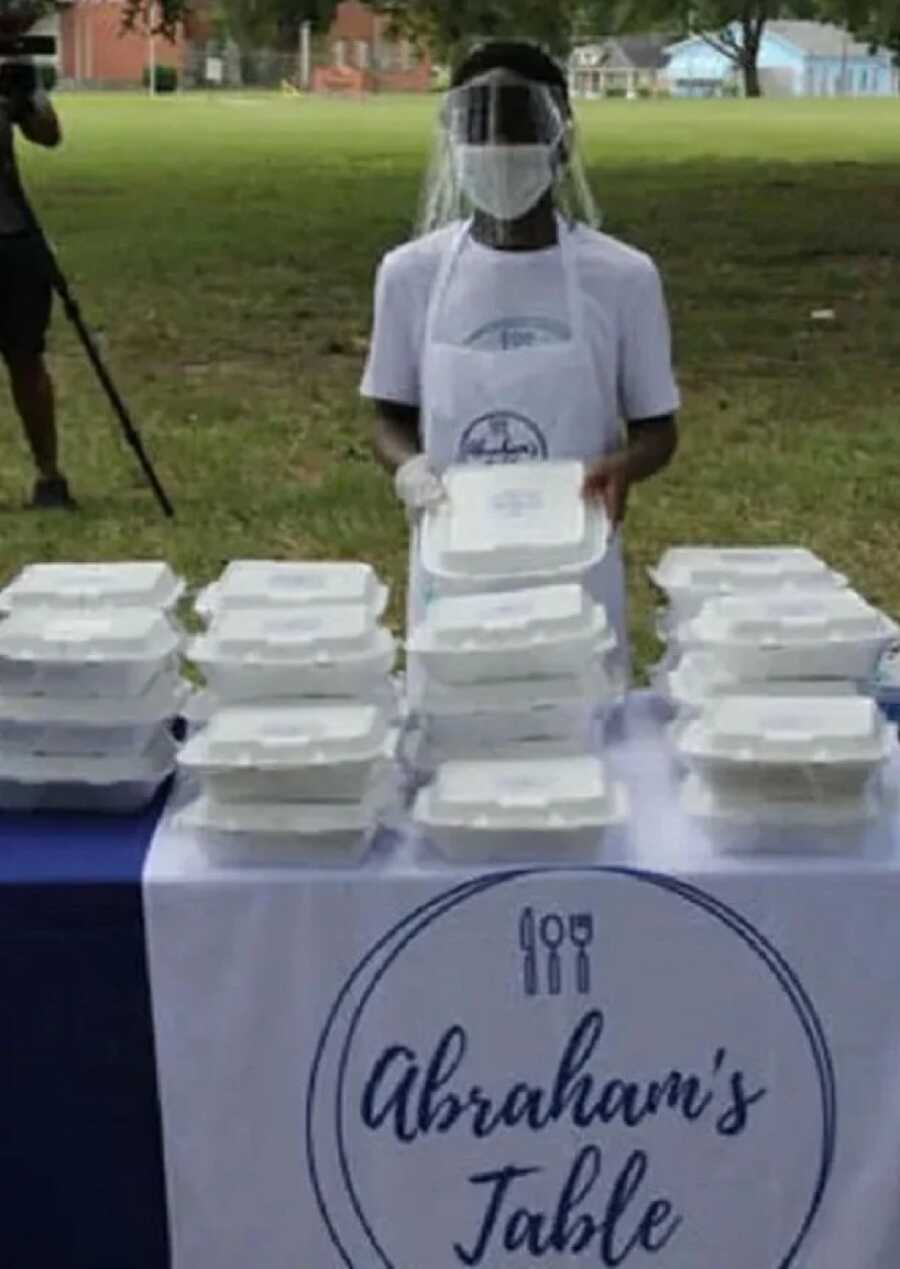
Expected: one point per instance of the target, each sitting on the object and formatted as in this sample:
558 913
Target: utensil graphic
528 944
553 935
581 932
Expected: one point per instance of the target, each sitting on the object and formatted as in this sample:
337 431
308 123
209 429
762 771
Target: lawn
224 249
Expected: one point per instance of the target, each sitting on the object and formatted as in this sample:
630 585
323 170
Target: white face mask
504 181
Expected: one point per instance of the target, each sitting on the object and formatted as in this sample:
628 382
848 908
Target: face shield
504 144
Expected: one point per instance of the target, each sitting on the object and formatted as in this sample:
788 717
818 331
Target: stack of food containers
89 686
512 649
498 670
769 660
793 774
288 784
292 764
729 609
293 631
511 665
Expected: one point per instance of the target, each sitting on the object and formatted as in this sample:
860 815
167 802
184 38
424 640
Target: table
671 1058
80 1153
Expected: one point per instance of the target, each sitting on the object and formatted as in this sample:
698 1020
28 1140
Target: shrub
166 78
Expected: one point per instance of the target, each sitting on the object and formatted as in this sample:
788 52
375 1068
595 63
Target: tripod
73 313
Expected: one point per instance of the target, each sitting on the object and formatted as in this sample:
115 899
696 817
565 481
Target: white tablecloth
670 1059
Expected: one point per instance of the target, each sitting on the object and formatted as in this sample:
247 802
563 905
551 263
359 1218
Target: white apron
529 404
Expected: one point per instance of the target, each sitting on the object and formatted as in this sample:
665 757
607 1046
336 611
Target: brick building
361 57
93 51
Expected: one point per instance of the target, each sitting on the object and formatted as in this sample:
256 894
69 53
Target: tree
256 20
734 28
448 25
874 21
738 37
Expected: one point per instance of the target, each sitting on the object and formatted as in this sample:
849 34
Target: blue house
796 59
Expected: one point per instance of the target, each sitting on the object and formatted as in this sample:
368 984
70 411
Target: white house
622 65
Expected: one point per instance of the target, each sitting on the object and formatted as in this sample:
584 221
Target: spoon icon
553 935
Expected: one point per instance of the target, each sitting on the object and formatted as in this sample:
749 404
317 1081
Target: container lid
536 793
155 763
282 819
77 635
790 730
284 737
513 619
292 584
164 698
295 635
727 569
139 584
699 677
515 519
840 616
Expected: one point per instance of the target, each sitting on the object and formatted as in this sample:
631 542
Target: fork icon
581 932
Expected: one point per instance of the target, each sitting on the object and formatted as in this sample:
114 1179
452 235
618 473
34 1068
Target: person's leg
32 390
24 320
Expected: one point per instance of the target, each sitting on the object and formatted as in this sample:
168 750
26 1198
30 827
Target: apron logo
502 438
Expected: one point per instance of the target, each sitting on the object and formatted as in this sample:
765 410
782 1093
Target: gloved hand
607 481
418 488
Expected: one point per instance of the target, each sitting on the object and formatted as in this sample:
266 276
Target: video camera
19 76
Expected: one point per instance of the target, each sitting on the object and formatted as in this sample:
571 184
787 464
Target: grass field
225 250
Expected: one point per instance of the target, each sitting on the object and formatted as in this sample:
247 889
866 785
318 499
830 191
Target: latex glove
607 481
418 488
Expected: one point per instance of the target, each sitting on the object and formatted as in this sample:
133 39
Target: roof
645 51
642 52
815 39
822 39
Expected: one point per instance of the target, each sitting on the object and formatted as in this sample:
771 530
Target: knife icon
528 945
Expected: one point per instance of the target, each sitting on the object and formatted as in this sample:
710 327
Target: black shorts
26 297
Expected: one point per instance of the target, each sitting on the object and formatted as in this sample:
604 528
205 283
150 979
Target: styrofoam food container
690 575
697 679
98 725
732 824
425 749
386 695
793 746
265 835
329 651
549 631
830 635
104 785
253 584
289 754
513 525
135 584
549 717
594 689
75 653
493 811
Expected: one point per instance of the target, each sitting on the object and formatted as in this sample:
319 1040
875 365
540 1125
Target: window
864 81
340 54
362 55
394 57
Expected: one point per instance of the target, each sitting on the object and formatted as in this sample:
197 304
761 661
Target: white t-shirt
505 299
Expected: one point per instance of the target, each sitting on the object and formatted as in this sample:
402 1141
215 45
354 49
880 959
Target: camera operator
26 295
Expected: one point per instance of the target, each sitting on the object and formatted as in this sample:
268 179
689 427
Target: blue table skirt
81 1170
